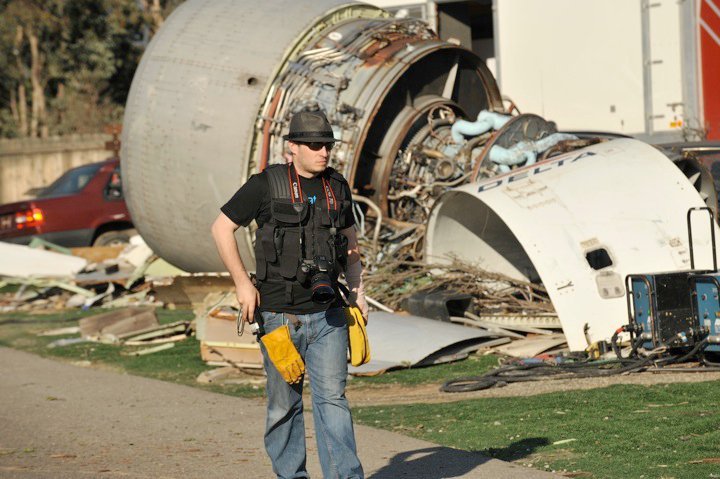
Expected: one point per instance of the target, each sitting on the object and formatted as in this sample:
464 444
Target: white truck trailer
646 68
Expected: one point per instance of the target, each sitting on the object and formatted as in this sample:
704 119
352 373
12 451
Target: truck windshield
71 181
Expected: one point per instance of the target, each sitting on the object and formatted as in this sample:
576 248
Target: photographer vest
300 235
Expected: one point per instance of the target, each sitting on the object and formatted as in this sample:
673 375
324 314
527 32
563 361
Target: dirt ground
430 393
389 394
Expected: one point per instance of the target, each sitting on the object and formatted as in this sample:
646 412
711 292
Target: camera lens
322 291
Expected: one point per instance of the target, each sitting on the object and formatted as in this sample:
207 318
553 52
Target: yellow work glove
357 336
283 354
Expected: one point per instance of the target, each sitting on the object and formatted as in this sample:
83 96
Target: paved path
62 421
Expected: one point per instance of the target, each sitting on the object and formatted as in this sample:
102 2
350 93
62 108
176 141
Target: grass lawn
663 431
180 364
616 432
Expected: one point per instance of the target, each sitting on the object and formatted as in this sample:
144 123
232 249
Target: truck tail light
29 219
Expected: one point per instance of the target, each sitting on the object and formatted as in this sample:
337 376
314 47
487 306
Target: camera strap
330 198
345 294
296 196
296 193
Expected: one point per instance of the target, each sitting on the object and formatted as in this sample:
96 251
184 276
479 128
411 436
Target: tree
30 31
66 65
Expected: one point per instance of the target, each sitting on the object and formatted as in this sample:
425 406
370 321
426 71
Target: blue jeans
321 340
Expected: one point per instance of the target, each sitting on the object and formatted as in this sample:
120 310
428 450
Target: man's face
310 159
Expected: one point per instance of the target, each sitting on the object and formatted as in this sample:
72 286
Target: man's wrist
243 281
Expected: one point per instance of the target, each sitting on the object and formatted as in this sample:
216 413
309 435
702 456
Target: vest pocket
341 248
267 241
290 258
288 212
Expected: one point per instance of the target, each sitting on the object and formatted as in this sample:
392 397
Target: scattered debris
490 327
25 262
439 304
707 460
159 268
491 293
217 332
563 441
97 254
474 320
143 352
118 322
156 334
405 341
492 309
61 331
191 291
531 346
232 375
59 343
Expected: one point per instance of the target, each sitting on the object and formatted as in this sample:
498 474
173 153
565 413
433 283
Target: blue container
707 305
662 305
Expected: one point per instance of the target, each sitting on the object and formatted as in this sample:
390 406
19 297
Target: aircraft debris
404 341
395 282
25 262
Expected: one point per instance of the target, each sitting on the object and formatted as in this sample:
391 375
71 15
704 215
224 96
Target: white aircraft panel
621 196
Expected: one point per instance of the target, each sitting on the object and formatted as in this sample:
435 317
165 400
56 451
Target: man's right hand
223 231
249 298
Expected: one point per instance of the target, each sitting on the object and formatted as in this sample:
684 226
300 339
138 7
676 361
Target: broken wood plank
127 300
131 335
227 313
243 365
486 326
61 331
170 339
234 374
245 356
154 349
531 347
97 254
513 327
180 328
544 321
59 343
40 283
215 375
118 322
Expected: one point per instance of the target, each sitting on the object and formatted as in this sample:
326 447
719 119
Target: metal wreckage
452 185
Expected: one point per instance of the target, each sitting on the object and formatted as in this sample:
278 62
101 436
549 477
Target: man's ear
293 147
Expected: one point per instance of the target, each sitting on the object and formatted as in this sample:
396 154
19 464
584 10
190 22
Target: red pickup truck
83 207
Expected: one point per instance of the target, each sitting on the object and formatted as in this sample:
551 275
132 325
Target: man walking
305 239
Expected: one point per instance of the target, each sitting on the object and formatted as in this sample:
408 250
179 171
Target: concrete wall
32 163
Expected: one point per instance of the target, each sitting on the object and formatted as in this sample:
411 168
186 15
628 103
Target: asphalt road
63 421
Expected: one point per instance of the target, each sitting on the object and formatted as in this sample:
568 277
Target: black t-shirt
252 202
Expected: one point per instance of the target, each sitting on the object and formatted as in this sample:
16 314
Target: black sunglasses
317 145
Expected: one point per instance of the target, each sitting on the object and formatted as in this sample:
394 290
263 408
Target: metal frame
631 307
712 235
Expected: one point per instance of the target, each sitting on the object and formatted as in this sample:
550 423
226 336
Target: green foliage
87 53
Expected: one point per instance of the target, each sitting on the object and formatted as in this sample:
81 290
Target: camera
318 270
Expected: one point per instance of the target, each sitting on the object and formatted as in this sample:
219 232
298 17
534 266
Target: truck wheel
115 238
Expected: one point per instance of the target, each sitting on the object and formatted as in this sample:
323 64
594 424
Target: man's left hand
360 301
